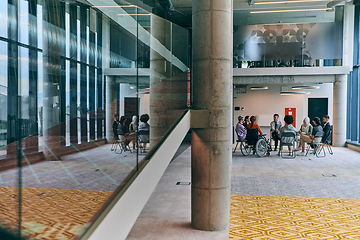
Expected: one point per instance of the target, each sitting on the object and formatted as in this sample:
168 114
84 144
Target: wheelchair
258 144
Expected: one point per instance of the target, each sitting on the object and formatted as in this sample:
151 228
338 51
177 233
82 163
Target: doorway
131 105
317 107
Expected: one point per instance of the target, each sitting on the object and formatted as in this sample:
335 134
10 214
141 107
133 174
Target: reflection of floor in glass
60 197
50 213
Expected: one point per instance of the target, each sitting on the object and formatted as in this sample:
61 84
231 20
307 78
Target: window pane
3 18
24 21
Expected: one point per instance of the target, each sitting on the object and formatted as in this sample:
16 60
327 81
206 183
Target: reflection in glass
3 96
24 21
3 18
60 83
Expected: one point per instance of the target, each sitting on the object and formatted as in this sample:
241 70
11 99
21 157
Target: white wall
264 104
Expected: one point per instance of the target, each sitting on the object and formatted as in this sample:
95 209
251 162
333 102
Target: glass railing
288 63
67 84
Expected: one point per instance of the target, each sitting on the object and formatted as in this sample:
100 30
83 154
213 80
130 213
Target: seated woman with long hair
253 125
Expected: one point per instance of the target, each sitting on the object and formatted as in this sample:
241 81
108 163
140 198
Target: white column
348 34
339 110
340 84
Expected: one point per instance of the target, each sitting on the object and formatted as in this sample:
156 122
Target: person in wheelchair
253 133
253 125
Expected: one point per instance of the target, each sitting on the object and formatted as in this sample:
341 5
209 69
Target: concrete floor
167 213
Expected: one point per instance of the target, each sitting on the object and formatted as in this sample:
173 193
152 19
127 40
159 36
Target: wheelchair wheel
245 148
261 148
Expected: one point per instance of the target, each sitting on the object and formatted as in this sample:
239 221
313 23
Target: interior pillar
211 118
160 80
339 110
111 106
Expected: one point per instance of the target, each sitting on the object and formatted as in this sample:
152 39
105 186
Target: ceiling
180 11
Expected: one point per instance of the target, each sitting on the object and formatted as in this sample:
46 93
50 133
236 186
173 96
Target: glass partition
87 90
288 45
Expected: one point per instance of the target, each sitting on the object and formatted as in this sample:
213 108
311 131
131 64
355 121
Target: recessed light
293 92
259 88
285 2
292 10
305 87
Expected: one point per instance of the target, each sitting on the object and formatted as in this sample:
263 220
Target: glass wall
353 92
67 70
288 45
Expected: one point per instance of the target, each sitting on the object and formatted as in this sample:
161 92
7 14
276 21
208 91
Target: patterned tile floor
303 198
277 217
50 213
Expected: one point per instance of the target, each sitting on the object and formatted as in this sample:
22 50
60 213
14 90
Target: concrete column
111 102
339 110
211 118
160 80
110 87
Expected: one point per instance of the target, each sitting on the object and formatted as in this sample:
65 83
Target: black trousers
276 137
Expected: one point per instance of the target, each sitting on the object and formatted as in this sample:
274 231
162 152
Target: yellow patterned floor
50 213
277 217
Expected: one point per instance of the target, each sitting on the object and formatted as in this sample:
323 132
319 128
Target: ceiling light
292 10
295 1
122 6
292 93
259 88
137 14
305 87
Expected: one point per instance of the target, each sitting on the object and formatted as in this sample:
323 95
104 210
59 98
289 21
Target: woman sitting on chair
144 127
317 131
305 129
240 129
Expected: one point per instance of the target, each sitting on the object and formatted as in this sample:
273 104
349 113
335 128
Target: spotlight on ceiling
259 88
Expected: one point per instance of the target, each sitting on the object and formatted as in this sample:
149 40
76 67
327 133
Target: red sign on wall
291 112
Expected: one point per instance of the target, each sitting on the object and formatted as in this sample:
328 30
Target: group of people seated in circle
129 134
308 133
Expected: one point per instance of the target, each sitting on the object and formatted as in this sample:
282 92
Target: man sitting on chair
115 126
326 129
129 137
275 129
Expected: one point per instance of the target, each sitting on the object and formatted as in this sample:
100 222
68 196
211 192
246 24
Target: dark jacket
327 131
114 128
